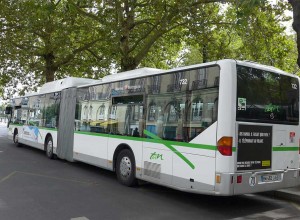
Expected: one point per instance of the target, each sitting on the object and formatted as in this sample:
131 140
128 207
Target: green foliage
45 37
46 40
253 34
264 38
295 5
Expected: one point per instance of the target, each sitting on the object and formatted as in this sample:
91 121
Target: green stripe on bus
91 134
16 124
48 129
285 148
181 144
158 141
175 143
171 148
41 128
149 134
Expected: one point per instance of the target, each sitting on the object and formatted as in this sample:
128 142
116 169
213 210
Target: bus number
294 86
183 82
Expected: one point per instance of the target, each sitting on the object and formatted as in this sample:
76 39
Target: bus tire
49 147
125 168
16 138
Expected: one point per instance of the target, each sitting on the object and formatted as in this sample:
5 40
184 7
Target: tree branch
69 57
296 24
95 55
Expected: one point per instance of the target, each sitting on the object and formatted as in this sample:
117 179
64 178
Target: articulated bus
222 128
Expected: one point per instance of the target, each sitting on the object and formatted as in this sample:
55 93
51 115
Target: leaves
296 24
255 34
45 40
44 37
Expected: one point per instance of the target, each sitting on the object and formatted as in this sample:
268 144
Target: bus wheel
49 147
16 138
125 168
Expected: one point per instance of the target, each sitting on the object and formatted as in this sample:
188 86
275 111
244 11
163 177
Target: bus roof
142 72
69 82
131 74
262 66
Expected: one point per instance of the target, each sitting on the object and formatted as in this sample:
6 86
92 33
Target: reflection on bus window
185 108
266 97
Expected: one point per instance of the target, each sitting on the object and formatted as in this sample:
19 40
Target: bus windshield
266 97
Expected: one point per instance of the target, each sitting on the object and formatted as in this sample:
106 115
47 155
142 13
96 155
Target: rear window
266 97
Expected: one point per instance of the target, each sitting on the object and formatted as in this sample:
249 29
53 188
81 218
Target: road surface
35 187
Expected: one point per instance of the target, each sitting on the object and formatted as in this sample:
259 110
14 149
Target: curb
285 195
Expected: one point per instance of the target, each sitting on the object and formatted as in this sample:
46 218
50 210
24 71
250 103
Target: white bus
221 128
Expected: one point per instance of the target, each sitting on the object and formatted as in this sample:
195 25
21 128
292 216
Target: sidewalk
290 194
2 123
3 129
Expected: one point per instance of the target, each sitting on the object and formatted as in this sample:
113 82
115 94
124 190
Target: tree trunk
296 23
50 68
128 63
49 73
204 53
127 24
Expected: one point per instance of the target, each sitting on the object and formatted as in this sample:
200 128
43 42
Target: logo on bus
156 156
294 86
183 82
252 181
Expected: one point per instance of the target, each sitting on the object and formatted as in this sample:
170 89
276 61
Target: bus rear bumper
254 182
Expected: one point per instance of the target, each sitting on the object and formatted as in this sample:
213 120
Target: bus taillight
225 146
239 179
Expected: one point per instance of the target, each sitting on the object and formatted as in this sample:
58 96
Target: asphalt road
34 187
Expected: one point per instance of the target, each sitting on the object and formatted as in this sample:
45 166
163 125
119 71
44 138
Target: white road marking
80 218
273 214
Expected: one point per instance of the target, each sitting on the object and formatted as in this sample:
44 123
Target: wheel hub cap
49 147
125 167
16 138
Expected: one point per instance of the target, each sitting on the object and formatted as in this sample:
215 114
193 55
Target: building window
197 110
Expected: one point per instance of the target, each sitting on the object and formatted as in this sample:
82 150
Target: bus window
181 105
127 112
266 97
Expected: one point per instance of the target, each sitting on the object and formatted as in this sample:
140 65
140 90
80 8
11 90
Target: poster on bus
31 133
254 148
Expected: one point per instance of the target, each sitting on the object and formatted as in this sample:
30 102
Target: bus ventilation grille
152 169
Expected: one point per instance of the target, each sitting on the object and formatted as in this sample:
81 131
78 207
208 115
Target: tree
264 38
43 37
296 23
255 34
211 37
135 31
47 40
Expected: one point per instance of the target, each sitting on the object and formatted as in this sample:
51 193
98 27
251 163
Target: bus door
127 112
127 124
20 117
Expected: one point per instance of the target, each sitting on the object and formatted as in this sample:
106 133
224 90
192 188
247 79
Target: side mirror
8 110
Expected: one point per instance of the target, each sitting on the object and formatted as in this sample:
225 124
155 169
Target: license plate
270 178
